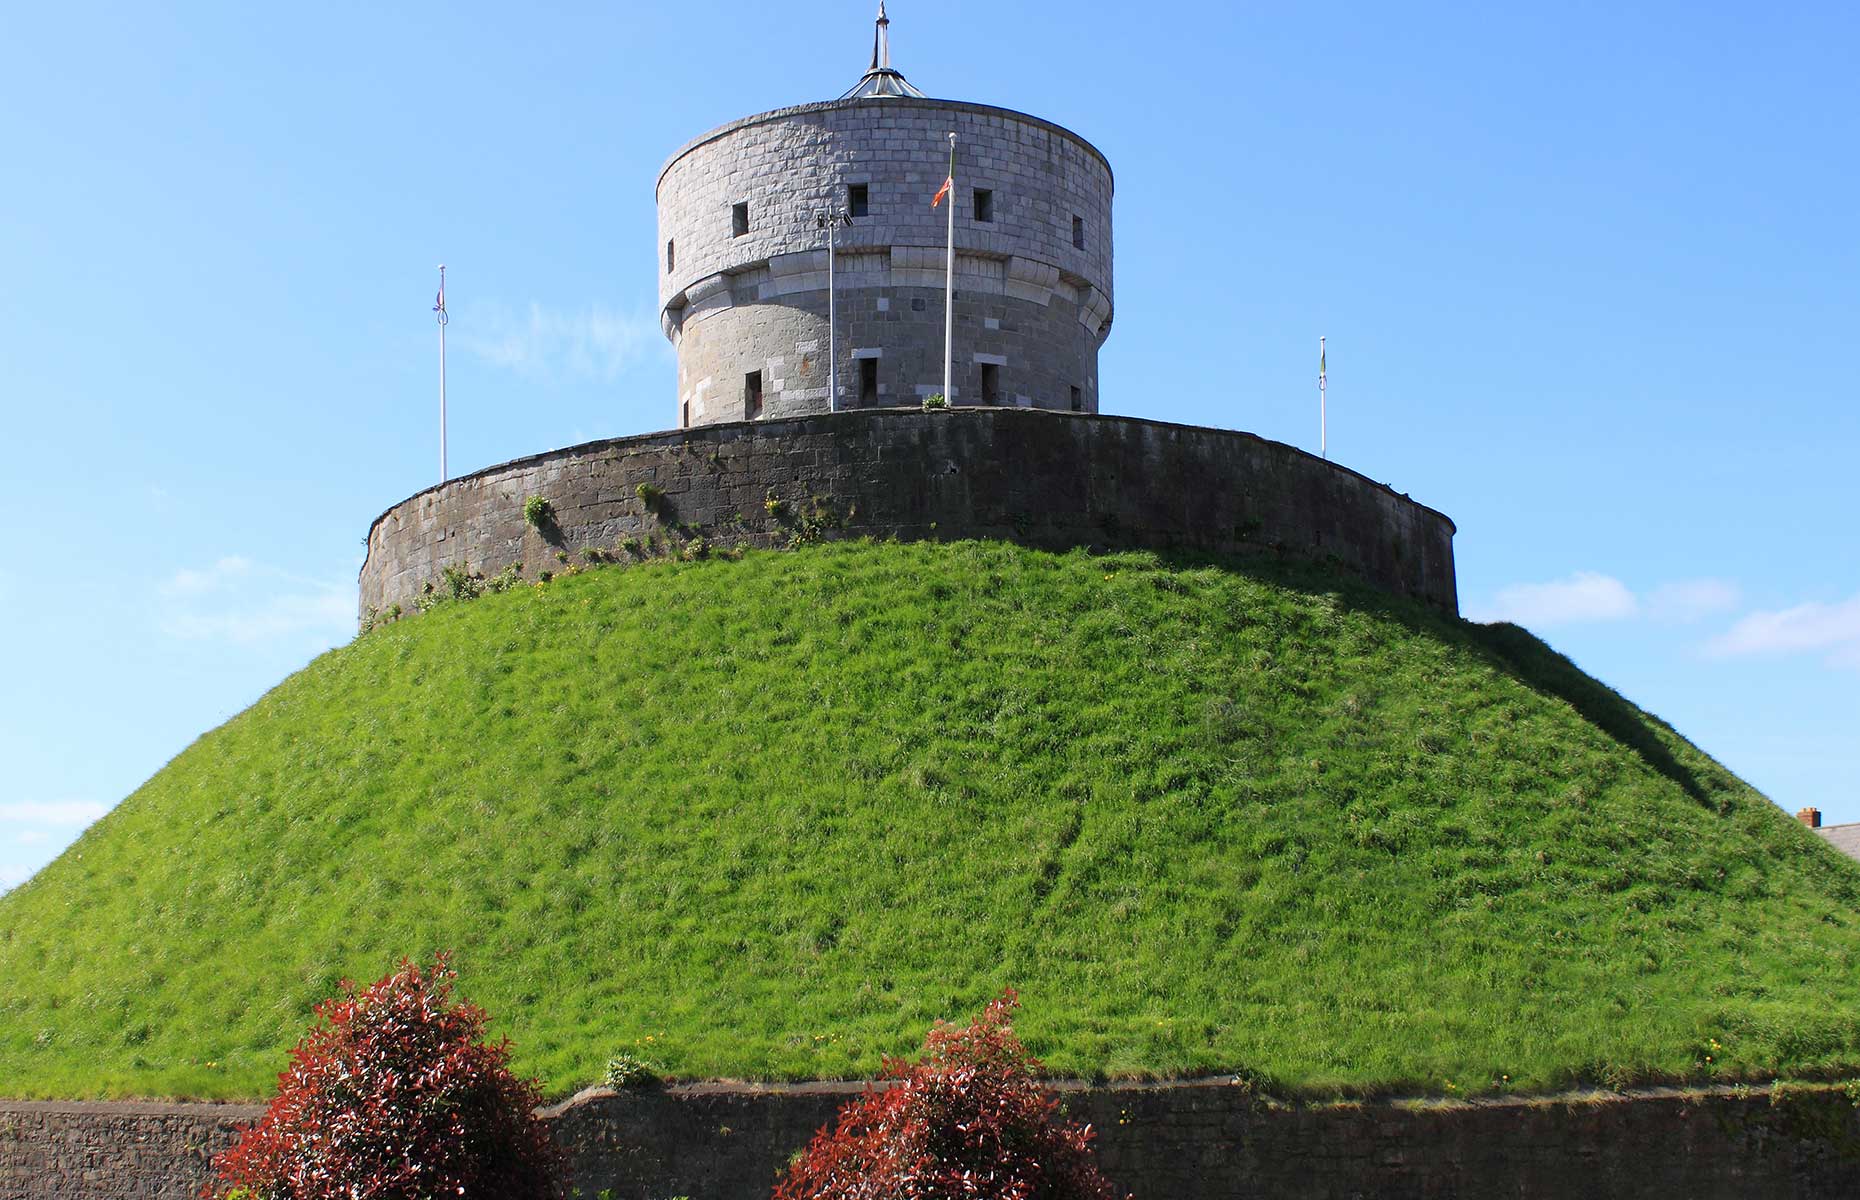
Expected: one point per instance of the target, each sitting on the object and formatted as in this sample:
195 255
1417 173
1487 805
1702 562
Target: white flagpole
1323 416
440 308
833 322
949 279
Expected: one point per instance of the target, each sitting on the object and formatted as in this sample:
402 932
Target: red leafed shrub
395 1094
967 1120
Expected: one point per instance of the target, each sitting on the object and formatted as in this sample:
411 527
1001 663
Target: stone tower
745 216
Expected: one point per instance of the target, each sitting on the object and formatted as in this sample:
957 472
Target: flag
1320 362
439 301
943 191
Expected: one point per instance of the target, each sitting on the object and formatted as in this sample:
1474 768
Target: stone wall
1166 1142
105 1151
1041 478
756 301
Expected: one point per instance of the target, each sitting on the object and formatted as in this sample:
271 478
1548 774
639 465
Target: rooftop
1845 838
880 79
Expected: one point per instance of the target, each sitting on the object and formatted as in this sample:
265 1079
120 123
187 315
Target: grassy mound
769 818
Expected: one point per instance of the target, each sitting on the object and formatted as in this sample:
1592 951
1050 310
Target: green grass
770 818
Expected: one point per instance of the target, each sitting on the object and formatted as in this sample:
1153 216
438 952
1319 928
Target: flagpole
1323 416
440 308
833 323
949 280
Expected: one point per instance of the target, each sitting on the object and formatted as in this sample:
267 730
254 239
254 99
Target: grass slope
769 818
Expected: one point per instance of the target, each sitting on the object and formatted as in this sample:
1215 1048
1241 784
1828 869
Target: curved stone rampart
1041 478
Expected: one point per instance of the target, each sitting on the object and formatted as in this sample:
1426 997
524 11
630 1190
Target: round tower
748 212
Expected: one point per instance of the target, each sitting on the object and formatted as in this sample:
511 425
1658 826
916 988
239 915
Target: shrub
968 1119
649 494
935 400
395 1094
627 1070
462 584
538 511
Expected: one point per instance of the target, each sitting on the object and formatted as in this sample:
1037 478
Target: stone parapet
1046 479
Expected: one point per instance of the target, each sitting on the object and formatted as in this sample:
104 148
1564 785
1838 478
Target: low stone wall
1042 478
1167 1142
106 1151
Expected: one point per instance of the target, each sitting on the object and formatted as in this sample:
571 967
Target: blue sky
1589 277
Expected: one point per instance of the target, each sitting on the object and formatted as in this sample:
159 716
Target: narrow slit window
984 204
752 396
991 383
671 256
868 381
684 415
1078 399
1078 232
739 219
858 200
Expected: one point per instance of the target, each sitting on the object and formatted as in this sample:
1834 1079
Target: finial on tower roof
880 79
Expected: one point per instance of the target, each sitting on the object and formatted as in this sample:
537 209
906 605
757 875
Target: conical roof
880 79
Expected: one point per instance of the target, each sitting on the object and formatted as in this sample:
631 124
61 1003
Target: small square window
991 383
752 396
671 256
984 204
1078 232
739 219
858 200
1078 399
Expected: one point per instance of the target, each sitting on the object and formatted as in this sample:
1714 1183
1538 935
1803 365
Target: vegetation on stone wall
779 814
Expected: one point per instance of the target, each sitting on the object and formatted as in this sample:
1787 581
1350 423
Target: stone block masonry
1192 1141
744 269
1047 479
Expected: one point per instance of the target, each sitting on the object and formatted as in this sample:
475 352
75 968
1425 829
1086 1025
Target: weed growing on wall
538 512
630 1070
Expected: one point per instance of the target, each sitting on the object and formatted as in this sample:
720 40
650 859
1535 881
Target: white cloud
1830 629
188 582
1692 599
1584 596
52 812
238 600
596 342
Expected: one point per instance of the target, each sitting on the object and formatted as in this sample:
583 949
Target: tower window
1078 399
991 383
684 414
858 200
671 256
752 396
868 382
739 219
984 204
1078 232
